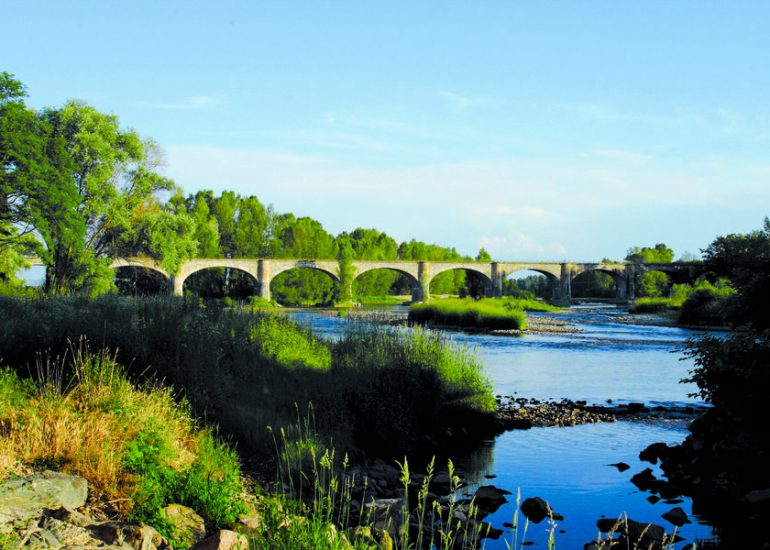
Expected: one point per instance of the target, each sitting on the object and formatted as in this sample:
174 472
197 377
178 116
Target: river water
569 467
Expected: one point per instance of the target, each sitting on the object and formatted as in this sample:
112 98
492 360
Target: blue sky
539 130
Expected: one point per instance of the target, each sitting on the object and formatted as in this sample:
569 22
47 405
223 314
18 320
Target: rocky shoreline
519 413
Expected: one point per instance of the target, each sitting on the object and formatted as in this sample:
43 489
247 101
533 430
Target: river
569 467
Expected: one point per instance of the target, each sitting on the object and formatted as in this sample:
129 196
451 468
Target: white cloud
526 209
189 103
461 102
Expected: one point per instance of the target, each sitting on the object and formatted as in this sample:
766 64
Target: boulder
605 525
676 516
654 452
26 497
186 527
536 509
223 540
489 498
645 480
118 533
645 532
621 466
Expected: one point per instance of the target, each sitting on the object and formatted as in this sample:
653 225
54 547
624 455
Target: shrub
469 313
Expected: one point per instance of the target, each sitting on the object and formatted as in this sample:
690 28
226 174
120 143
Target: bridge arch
221 282
304 286
414 282
618 277
472 269
553 281
330 267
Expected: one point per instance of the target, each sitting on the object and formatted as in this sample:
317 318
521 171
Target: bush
468 313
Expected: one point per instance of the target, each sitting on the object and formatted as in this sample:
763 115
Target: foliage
490 314
73 178
732 372
402 387
249 369
654 284
136 445
660 254
530 286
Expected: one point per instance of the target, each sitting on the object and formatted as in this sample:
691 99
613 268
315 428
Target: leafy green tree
483 256
660 254
654 284
206 226
106 175
250 229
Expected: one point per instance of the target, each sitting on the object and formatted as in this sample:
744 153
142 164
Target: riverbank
516 413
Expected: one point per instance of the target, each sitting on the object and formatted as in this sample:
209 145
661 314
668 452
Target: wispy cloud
461 102
189 103
523 209
620 155
340 140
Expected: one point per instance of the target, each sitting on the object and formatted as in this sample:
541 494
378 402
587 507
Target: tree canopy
659 254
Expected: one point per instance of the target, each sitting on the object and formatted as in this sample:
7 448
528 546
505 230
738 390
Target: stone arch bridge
420 273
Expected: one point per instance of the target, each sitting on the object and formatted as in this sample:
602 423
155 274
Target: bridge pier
264 279
562 294
423 276
496 290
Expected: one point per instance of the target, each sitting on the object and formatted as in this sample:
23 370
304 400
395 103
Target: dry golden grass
85 427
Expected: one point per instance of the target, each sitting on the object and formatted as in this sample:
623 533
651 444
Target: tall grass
250 369
469 313
405 389
138 447
314 481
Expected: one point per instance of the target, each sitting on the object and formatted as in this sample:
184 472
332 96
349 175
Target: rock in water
536 510
676 516
653 452
26 497
645 480
186 526
489 498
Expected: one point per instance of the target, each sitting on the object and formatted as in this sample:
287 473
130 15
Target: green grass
250 369
138 447
386 300
492 314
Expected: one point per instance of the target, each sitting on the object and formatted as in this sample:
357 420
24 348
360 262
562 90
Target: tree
105 176
483 256
23 172
660 254
654 284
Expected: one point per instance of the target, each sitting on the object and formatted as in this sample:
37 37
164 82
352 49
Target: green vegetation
490 313
724 458
703 303
76 189
660 254
138 447
386 300
249 369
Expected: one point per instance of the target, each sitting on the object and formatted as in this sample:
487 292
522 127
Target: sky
539 130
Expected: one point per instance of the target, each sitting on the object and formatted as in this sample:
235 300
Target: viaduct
420 273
